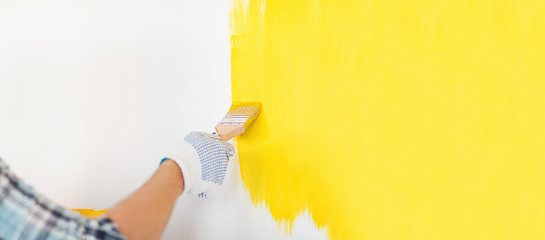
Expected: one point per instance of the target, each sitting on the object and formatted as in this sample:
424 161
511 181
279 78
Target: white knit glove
203 159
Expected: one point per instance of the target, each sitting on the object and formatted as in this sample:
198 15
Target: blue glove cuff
162 160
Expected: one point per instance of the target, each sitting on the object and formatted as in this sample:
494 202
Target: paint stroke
395 119
90 213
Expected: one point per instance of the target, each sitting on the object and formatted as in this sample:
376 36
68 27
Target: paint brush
238 118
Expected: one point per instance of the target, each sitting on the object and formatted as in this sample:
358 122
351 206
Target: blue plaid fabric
213 153
25 214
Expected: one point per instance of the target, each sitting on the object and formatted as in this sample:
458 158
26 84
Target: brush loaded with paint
238 118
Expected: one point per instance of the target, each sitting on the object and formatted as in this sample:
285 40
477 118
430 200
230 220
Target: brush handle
227 132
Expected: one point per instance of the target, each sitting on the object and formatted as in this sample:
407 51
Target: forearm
145 213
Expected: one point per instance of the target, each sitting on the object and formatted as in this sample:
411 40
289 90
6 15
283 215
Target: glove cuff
188 160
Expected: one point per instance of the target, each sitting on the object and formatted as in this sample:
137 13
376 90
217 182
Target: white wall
92 93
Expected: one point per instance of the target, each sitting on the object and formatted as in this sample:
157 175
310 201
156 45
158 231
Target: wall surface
396 119
93 93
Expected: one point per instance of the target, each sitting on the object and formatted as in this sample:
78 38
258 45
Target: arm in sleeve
25 214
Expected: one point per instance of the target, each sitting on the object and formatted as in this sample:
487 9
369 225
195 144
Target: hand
203 159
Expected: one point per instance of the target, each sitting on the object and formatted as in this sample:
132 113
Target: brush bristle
250 109
238 118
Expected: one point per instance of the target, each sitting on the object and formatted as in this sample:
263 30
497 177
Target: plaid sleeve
25 214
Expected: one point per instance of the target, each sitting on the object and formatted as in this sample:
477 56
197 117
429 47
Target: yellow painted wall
395 119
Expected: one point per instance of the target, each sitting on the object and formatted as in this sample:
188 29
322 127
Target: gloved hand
203 159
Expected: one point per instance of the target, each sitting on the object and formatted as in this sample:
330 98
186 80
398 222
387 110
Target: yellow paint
395 119
90 213
250 109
